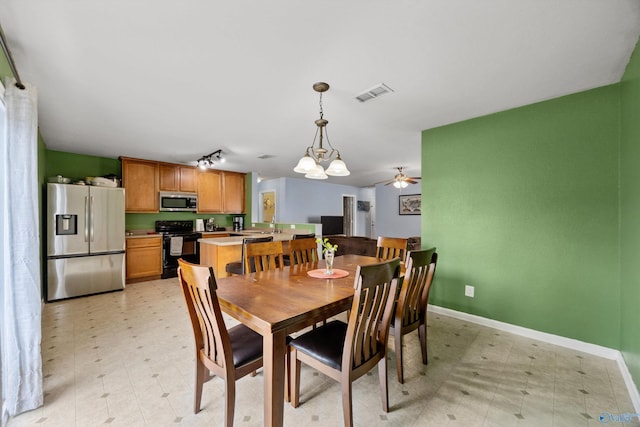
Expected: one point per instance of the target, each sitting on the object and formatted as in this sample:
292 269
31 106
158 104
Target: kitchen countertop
237 240
221 241
136 234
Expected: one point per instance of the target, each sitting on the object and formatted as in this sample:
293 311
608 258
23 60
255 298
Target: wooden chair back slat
391 247
303 251
265 256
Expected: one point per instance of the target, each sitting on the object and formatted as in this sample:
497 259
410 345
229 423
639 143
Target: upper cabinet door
210 191
169 178
140 180
177 178
188 180
234 192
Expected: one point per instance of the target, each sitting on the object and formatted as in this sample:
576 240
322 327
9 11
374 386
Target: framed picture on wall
268 206
410 204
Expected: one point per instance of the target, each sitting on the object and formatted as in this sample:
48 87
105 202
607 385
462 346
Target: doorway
349 214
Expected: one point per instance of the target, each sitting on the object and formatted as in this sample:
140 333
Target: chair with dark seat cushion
347 351
391 247
304 236
237 267
228 353
411 308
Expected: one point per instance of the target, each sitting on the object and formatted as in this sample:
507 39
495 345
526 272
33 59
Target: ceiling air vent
374 92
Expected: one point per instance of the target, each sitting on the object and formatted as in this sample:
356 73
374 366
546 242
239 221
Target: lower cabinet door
144 258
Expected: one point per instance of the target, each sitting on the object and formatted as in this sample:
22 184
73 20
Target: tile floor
126 359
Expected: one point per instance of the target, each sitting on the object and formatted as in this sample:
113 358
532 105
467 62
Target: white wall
300 200
388 220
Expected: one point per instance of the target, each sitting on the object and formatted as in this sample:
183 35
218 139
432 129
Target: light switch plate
469 291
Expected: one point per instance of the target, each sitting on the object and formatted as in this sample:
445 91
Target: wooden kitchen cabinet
140 180
206 235
233 190
210 191
221 192
177 178
143 258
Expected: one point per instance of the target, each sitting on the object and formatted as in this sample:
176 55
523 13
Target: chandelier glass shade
309 164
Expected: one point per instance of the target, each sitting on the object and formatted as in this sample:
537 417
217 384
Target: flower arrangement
326 246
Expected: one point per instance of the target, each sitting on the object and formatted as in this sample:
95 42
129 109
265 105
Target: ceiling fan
401 180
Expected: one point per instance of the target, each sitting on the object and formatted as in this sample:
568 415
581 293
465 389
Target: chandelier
309 164
209 160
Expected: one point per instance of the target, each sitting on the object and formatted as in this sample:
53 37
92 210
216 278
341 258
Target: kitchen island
218 252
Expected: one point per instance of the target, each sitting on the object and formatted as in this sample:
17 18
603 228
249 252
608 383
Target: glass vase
328 258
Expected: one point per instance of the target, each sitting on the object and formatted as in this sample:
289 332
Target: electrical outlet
293 226
469 291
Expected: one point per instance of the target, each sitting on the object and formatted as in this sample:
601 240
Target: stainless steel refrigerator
85 240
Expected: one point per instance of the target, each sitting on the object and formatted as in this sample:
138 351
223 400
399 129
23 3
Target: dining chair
391 247
304 236
303 251
286 257
228 353
411 307
347 351
264 256
238 267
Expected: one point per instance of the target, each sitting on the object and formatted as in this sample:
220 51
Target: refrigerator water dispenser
66 225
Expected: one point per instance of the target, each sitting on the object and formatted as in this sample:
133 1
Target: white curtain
21 304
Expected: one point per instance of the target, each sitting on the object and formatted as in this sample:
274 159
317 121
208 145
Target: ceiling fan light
316 173
305 164
337 168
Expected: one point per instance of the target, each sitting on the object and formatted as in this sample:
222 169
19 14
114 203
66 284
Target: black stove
175 228
178 241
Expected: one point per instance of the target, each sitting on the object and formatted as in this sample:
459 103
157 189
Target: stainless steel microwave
178 202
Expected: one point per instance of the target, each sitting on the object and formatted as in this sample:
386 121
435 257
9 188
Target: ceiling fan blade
410 181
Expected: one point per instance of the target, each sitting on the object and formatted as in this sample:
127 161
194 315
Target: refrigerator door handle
86 218
91 234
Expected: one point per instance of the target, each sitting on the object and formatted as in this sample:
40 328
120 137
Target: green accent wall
629 215
523 205
80 166
5 70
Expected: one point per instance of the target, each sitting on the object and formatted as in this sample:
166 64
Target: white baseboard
593 349
631 386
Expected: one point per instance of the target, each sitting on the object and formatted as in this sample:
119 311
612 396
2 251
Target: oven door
176 247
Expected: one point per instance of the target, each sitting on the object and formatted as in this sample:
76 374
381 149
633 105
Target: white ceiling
174 80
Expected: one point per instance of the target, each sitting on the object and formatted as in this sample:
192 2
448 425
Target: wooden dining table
279 302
